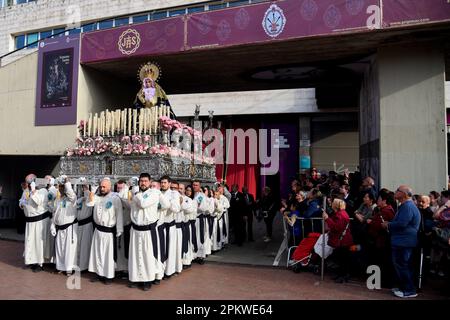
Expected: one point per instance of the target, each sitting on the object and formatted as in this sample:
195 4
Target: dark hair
165 177
445 194
207 188
196 180
384 195
174 182
435 194
121 181
371 196
192 190
145 175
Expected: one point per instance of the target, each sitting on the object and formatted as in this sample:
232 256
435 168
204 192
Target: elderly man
403 230
64 227
37 217
143 262
108 223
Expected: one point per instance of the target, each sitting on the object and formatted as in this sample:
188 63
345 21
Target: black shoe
156 282
107 281
37 268
132 285
201 261
96 279
146 286
166 277
186 266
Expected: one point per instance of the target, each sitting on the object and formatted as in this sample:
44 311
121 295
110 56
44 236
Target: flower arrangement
139 145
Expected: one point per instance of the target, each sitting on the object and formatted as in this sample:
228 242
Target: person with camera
268 208
37 229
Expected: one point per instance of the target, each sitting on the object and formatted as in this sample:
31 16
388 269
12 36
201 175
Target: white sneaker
394 290
441 274
267 240
401 294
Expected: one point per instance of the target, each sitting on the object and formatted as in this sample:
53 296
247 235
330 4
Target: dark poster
57 79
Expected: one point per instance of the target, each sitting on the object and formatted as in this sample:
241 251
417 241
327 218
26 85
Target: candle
90 125
129 121
145 120
84 128
95 126
134 121
140 122
156 120
124 118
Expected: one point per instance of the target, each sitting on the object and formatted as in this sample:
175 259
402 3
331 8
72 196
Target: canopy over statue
151 94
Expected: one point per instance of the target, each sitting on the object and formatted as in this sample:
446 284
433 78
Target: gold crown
149 70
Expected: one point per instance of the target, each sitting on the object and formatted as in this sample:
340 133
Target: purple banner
276 21
407 12
263 22
151 38
57 81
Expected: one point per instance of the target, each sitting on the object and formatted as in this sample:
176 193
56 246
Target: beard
143 188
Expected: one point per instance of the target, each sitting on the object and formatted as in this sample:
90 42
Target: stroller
304 256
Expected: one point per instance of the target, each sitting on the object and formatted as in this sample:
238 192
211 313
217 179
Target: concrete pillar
412 117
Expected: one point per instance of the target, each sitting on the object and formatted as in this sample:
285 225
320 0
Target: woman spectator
292 216
434 200
340 238
378 238
364 212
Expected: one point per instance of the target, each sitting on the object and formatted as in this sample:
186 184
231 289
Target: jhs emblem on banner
129 41
274 21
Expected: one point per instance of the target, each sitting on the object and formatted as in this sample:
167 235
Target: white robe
85 233
107 213
189 210
208 239
143 266
36 233
50 246
66 240
122 261
223 220
217 214
169 217
203 209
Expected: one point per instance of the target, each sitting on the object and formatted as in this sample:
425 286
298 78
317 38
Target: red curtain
241 174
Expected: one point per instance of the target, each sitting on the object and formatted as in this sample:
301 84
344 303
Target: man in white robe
225 225
124 193
201 222
34 204
108 224
85 230
143 261
170 230
189 213
65 227
49 251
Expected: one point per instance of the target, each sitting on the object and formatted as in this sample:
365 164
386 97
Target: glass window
138 19
57 33
31 39
20 42
45 34
217 6
122 21
105 24
89 27
159 15
21 1
237 3
196 9
75 31
178 12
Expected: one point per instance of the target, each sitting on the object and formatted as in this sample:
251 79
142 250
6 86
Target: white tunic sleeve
143 201
117 203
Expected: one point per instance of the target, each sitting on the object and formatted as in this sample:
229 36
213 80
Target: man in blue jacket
403 230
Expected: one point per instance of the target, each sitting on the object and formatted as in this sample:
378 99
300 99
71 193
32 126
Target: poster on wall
57 81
